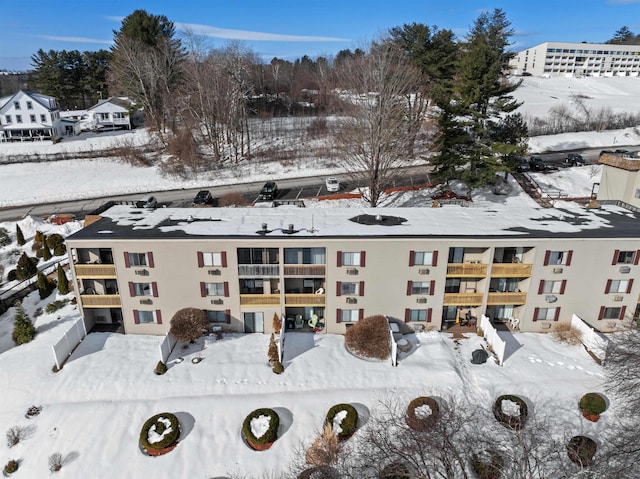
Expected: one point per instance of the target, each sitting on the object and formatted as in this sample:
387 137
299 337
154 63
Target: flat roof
566 220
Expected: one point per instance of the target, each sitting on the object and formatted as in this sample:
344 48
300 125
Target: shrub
19 236
46 253
418 423
55 305
487 464
40 253
60 250
4 238
565 333
278 368
45 285
581 450
63 283
11 466
55 462
158 425
40 237
16 434
277 323
23 330
369 338
325 448
54 240
593 403
270 435
347 426
26 267
161 368
12 275
33 411
273 350
395 470
188 324
507 420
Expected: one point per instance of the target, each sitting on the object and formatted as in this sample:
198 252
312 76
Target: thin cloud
230 34
623 2
75 39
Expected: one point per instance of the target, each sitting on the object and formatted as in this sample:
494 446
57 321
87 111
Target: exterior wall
97 113
578 59
620 184
386 274
49 127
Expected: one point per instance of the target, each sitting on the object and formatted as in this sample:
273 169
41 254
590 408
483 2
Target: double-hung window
349 315
214 289
351 258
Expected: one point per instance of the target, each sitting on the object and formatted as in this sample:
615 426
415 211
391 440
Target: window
420 287
418 315
214 289
145 317
349 315
16 105
18 118
304 256
251 286
142 289
118 114
217 316
618 286
137 259
351 259
348 288
8 118
547 287
558 257
210 259
43 118
32 118
29 105
452 285
546 314
423 258
623 257
637 193
258 256
610 313
103 116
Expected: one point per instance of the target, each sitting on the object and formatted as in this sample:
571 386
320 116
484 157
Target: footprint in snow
580 368
559 363
549 363
571 367
532 359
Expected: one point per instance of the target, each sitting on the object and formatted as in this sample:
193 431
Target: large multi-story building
426 266
578 59
29 115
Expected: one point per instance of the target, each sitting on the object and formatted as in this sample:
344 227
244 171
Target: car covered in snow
333 184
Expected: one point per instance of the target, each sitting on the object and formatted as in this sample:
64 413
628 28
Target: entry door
253 322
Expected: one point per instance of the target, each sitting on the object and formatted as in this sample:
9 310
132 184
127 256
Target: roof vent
189 219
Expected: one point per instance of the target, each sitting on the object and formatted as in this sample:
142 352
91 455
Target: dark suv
574 159
537 164
269 191
203 198
522 165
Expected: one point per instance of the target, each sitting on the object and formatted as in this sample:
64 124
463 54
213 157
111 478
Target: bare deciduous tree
188 324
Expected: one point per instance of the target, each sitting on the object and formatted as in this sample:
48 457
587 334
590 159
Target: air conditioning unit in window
352 271
217 301
423 271
421 300
352 300
418 327
215 272
618 298
141 272
146 301
557 270
625 269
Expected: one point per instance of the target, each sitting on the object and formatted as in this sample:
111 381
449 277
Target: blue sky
289 29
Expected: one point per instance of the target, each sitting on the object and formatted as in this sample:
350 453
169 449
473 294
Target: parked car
537 164
203 198
269 191
622 152
606 152
332 184
574 159
523 165
147 201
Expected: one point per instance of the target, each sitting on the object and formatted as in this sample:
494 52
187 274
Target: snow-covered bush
260 428
160 432
510 411
422 413
343 419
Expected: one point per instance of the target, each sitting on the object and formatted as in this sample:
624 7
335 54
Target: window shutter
434 259
127 263
601 314
615 257
541 287
407 315
227 316
629 286
361 288
225 286
607 288
546 257
409 287
360 314
338 288
557 314
535 313
637 258
429 311
203 290
563 285
223 258
136 317
363 257
200 259
158 316
623 310
150 259
432 287
154 289
412 258
339 262
132 289
338 315
569 256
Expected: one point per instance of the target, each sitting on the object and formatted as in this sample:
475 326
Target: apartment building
332 267
578 59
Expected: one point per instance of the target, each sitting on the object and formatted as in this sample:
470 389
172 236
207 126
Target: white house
112 113
29 115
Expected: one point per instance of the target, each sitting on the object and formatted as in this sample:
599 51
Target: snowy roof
127 222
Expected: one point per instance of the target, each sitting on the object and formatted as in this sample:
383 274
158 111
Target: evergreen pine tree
26 267
45 286
46 252
23 329
19 236
63 284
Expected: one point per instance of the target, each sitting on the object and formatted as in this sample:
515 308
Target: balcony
468 270
100 300
462 299
304 299
95 271
304 270
262 270
511 270
506 298
259 299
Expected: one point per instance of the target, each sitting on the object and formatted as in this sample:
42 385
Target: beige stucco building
332 267
620 179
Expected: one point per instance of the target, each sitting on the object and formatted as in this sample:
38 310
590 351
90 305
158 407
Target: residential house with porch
28 115
109 114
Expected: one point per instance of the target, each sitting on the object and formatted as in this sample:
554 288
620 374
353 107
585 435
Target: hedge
348 424
270 435
169 438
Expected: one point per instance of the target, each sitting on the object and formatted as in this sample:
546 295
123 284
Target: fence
498 345
394 349
280 342
593 341
166 347
65 346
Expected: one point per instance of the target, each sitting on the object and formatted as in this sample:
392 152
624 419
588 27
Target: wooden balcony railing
98 271
258 270
470 270
304 270
259 299
463 299
506 298
304 299
511 270
100 300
